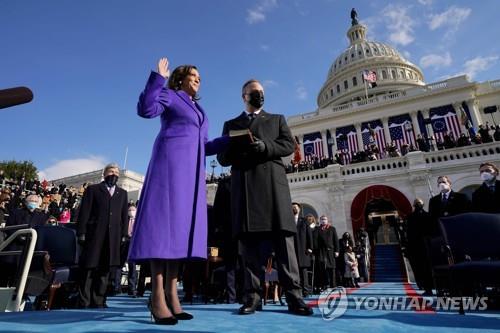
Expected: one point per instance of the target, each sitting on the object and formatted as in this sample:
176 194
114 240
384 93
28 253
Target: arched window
384 75
338 89
394 74
354 81
346 86
331 92
308 209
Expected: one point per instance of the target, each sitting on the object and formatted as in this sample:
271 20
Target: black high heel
180 316
163 321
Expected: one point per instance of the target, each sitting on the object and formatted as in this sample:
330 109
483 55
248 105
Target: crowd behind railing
371 152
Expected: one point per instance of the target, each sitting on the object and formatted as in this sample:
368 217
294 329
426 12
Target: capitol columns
301 145
426 114
324 142
361 146
414 120
474 113
387 134
333 135
458 112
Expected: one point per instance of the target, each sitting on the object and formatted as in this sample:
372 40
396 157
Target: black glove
81 239
258 146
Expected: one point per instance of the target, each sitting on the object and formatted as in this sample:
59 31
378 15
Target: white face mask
312 225
444 187
131 213
487 177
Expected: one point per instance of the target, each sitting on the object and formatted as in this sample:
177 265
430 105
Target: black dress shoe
251 305
298 307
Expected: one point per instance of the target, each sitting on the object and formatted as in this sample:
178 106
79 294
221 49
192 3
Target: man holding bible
262 220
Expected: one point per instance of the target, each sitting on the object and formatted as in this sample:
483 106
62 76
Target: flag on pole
370 77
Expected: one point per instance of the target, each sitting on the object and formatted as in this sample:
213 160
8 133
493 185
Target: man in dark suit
447 202
419 227
303 247
486 199
327 252
102 228
260 199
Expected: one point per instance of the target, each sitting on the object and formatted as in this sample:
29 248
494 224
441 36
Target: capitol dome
344 82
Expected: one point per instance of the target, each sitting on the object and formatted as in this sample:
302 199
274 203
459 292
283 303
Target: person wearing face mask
174 195
327 248
102 227
29 214
447 202
260 200
486 198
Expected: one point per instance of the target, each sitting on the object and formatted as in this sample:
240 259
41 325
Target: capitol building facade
399 108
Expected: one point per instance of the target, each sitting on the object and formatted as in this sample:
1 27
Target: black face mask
111 180
256 99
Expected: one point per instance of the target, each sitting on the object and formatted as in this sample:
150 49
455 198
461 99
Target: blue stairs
387 264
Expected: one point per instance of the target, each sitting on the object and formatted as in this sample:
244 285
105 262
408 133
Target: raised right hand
163 68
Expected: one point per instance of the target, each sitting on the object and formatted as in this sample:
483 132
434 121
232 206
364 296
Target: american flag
373 133
347 142
445 120
398 130
369 76
313 146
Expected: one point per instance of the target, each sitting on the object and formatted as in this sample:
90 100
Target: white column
414 120
360 137
333 133
325 143
301 145
426 114
474 113
458 112
387 134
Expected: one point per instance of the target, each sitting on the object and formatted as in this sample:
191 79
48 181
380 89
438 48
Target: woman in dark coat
171 222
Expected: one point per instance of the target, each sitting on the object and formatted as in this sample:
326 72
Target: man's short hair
488 164
110 166
246 84
444 177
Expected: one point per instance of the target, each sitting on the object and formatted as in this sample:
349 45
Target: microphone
15 96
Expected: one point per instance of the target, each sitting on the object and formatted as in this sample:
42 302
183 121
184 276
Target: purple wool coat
171 220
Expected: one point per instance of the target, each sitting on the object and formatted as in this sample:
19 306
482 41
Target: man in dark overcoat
102 227
260 199
447 203
327 241
486 199
303 247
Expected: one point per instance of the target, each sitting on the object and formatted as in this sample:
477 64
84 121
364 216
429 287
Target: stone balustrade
474 154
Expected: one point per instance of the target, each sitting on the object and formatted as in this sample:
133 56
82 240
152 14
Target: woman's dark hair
178 75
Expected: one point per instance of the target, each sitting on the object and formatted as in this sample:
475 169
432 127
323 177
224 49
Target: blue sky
87 62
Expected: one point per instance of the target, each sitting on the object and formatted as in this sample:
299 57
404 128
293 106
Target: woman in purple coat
171 221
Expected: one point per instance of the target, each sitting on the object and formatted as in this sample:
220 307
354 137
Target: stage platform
126 314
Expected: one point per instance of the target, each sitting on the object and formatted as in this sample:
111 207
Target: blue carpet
130 315
387 265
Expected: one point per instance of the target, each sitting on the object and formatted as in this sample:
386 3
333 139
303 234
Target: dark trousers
132 278
93 285
304 280
255 251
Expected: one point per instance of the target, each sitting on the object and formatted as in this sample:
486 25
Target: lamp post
213 165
